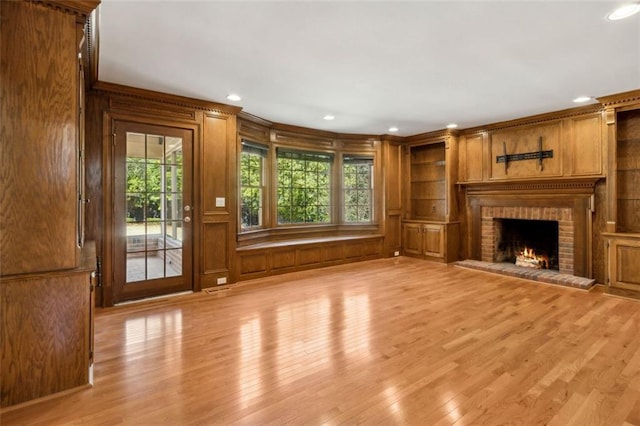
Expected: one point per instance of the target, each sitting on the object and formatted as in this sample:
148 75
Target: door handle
187 219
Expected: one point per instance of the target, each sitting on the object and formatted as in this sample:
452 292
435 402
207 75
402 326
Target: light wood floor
390 341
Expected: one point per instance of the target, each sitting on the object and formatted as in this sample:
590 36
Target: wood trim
252 130
534 119
621 99
91 48
80 8
435 136
287 137
573 185
164 98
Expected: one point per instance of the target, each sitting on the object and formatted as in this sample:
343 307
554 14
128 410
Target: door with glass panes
152 210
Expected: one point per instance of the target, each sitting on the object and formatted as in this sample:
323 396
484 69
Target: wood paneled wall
218 200
275 258
45 337
45 293
392 166
576 137
214 129
38 220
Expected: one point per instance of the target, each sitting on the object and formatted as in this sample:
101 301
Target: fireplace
493 218
527 243
568 205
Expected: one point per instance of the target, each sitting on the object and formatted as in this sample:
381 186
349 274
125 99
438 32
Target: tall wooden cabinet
45 289
622 239
430 228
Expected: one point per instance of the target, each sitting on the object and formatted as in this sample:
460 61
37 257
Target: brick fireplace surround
563 215
570 202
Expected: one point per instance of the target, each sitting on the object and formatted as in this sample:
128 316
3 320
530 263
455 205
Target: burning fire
529 259
527 252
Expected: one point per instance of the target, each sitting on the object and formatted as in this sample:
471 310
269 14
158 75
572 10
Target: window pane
303 187
251 182
357 175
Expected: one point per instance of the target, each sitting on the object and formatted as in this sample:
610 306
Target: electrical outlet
222 280
396 253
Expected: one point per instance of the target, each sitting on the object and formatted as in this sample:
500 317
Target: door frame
122 290
109 121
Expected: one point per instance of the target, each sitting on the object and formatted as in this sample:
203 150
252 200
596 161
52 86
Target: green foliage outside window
144 192
304 187
357 177
251 189
143 189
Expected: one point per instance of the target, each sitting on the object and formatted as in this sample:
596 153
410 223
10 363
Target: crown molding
621 99
80 8
535 119
153 96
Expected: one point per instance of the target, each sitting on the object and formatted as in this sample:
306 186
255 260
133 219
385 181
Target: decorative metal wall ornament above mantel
535 155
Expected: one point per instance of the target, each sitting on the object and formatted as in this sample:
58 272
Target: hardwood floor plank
389 341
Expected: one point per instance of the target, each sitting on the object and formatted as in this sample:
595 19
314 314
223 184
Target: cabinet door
624 263
433 237
412 239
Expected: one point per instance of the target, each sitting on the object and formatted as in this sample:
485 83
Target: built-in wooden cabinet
622 239
427 181
45 290
430 227
623 266
431 240
628 172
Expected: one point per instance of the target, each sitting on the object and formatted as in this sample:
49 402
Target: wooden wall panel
628 264
310 256
215 164
392 164
253 131
333 252
280 257
214 241
599 226
283 259
45 336
586 145
252 263
370 248
353 249
524 140
39 107
471 158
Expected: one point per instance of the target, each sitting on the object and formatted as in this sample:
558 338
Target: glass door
152 189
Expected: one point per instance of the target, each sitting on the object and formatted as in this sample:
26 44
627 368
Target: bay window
286 188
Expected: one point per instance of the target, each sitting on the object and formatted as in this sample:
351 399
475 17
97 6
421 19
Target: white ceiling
373 64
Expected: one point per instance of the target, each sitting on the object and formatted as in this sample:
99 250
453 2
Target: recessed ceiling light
452 126
233 97
624 12
328 117
581 99
393 129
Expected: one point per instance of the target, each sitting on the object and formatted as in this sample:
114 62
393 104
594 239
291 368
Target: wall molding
108 89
